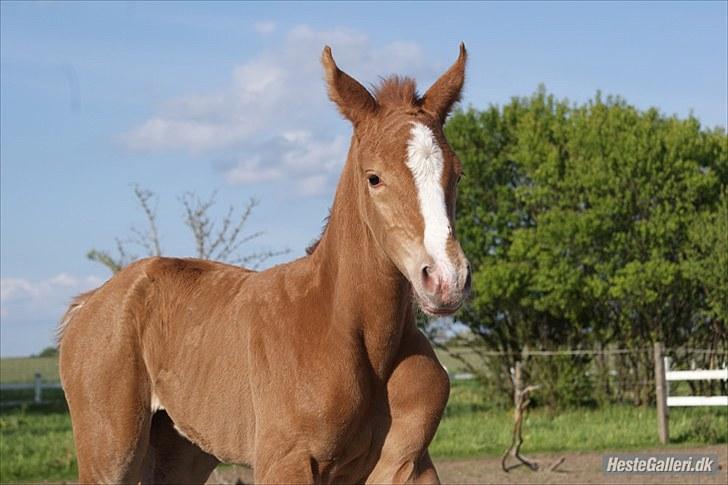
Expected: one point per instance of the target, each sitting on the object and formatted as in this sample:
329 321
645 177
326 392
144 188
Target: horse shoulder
419 386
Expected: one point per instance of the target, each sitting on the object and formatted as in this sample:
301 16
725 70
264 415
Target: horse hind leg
172 458
117 460
110 430
107 394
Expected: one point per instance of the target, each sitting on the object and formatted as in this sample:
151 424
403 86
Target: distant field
22 369
453 365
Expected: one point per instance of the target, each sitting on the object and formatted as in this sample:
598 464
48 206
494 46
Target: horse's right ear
353 100
442 95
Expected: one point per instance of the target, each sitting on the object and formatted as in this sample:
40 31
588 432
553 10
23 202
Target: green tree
48 352
590 226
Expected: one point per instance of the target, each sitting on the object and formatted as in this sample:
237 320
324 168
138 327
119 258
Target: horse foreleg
293 467
417 393
401 461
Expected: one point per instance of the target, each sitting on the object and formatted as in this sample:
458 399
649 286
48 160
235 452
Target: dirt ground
581 468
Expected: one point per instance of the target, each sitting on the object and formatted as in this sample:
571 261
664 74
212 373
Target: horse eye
374 180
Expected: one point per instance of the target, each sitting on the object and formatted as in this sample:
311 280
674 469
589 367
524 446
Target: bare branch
151 239
140 239
227 220
253 261
221 242
521 404
229 244
124 257
232 246
105 259
198 220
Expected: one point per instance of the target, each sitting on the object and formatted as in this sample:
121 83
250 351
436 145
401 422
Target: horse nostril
426 271
427 279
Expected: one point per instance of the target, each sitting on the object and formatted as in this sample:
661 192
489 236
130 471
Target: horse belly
220 421
201 379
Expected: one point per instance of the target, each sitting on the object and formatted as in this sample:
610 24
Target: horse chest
346 419
333 398
344 440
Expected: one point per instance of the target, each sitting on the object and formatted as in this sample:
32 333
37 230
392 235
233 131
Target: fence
37 386
652 375
663 375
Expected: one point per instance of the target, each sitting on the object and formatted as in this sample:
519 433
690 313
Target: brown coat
311 371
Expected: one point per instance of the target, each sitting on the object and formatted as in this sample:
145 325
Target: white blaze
425 161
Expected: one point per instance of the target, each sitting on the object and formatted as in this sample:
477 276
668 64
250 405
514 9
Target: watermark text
662 463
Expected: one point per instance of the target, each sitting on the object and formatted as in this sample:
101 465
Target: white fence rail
674 401
694 375
37 385
663 376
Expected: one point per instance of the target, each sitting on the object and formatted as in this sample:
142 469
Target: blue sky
96 97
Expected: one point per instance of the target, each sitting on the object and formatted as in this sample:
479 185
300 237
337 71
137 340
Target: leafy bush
589 226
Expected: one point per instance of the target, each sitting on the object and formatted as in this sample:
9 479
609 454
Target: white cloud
249 171
22 299
265 28
196 136
307 153
313 185
295 157
31 309
273 122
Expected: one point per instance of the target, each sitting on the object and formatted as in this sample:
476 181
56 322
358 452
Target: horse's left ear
442 95
352 99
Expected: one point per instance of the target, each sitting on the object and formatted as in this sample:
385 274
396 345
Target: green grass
23 369
471 427
454 365
36 441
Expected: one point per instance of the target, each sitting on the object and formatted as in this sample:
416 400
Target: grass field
472 427
23 369
36 441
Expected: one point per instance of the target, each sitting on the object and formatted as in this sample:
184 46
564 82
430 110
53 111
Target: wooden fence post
38 389
663 429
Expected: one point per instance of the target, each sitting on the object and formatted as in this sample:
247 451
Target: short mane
397 91
314 244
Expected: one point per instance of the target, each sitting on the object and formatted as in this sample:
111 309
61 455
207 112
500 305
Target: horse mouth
441 311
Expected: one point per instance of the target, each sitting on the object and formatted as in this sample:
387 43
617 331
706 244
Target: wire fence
529 353
574 377
607 373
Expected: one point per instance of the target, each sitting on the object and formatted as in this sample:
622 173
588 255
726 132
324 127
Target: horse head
407 176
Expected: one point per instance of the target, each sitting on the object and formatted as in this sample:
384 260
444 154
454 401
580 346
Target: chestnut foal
311 371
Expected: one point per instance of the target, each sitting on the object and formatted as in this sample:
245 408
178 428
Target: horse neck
369 294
